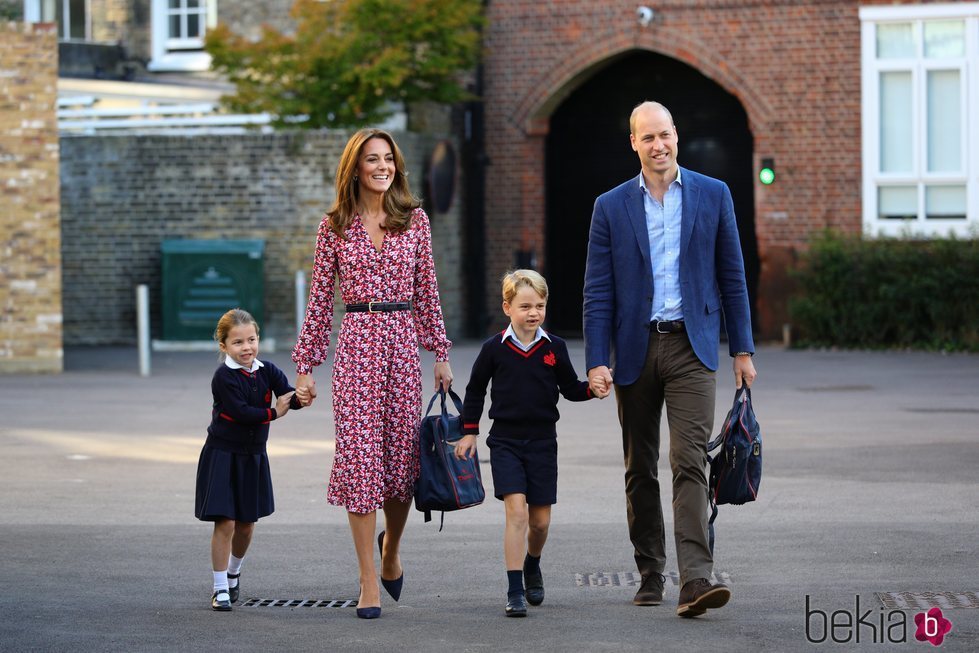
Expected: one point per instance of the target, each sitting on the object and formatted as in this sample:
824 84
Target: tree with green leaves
350 59
11 10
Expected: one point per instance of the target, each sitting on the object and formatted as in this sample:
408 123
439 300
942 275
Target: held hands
282 404
465 447
600 381
744 370
443 376
305 389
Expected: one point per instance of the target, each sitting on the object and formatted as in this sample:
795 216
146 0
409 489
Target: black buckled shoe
233 591
534 582
651 590
516 605
221 600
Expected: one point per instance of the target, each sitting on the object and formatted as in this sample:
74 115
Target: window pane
50 11
944 121
175 32
193 26
76 19
193 4
945 202
897 202
174 4
944 39
59 17
895 41
895 122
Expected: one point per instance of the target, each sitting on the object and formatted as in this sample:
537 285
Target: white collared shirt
235 366
509 333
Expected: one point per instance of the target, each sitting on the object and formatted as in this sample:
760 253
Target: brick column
30 252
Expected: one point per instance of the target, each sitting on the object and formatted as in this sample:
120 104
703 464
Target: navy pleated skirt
233 486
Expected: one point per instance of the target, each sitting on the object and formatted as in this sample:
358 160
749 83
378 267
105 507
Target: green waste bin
203 279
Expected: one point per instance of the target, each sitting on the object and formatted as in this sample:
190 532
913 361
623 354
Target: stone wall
122 195
30 261
247 18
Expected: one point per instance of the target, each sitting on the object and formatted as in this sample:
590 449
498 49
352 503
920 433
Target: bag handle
441 393
742 396
444 416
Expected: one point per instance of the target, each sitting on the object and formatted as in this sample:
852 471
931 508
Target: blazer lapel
637 216
690 191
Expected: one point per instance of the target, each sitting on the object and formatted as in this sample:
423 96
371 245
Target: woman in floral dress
377 240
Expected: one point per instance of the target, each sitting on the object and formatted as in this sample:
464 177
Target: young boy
527 366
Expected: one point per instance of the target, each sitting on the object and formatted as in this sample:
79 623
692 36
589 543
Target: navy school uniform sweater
241 412
524 393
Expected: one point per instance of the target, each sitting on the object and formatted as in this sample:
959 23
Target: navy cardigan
525 388
241 412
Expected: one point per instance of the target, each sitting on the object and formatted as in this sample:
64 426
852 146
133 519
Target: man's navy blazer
618 294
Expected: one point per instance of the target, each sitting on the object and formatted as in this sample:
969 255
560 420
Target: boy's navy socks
531 564
515 580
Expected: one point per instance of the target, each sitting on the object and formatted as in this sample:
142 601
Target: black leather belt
667 326
378 307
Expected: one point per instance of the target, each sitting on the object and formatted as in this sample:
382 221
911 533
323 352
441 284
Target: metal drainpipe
474 160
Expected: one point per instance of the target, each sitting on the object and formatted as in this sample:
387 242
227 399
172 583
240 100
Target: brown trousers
672 373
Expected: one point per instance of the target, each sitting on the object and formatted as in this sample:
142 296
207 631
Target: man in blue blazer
663 259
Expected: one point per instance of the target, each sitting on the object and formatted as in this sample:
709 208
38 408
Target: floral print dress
376 372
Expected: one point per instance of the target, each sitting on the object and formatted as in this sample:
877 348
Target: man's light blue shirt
663 227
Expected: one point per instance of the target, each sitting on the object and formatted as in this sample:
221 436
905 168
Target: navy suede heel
368 613
393 587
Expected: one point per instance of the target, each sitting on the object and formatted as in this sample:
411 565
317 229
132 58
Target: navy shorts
526 467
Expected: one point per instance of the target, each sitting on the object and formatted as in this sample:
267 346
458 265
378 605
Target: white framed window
72 16
920 119
177 34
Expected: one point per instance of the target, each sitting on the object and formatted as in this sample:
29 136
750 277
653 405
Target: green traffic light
767 173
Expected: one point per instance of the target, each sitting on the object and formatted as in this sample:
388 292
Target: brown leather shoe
651 590
698 595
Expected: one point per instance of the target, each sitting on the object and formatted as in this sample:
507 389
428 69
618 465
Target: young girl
234 486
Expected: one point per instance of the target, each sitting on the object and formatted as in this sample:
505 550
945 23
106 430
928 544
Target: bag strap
444 416
710 522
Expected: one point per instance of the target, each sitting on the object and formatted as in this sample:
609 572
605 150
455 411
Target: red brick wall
793 64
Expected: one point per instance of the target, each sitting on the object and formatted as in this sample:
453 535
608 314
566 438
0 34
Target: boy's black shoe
651 590
534 582
516 605
221 601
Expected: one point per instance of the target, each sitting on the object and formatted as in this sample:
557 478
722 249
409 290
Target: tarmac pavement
869 486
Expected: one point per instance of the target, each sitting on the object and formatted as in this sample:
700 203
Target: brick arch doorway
587 152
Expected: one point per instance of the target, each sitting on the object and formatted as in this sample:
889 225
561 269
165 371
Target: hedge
888 293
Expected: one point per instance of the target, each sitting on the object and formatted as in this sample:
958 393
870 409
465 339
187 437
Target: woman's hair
398 200
231 319
513 280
